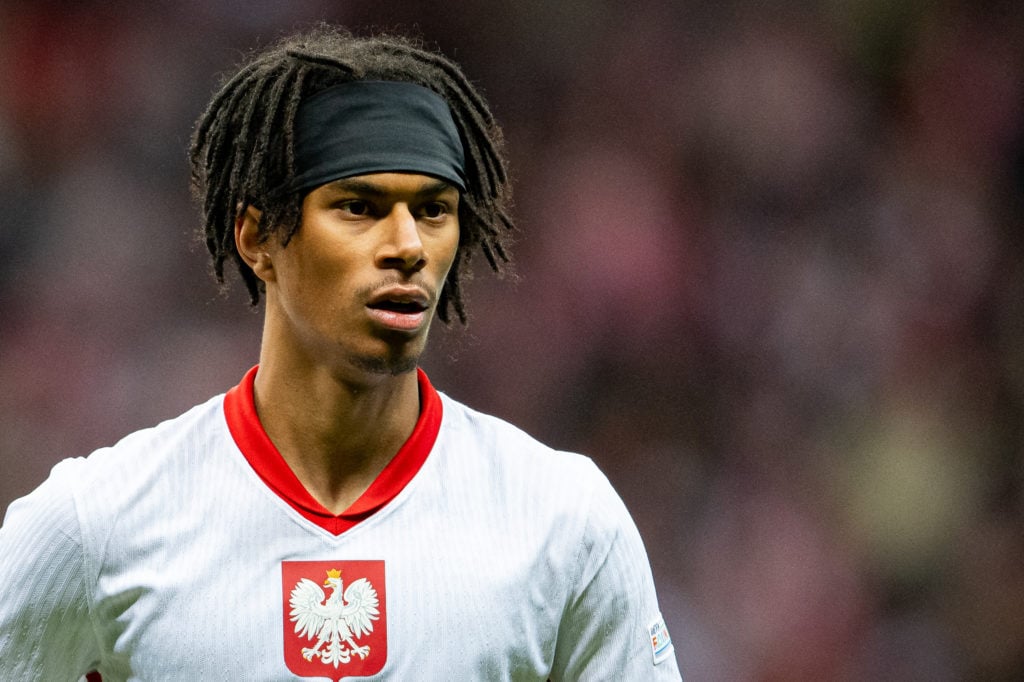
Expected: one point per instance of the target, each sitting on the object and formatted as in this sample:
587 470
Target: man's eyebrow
364 188
434 188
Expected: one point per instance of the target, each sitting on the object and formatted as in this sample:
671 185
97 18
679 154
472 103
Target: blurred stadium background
769 276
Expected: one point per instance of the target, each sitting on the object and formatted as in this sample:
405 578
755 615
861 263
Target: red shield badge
335 618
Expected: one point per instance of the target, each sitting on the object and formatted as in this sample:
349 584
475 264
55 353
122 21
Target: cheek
313 278
446 251
442 267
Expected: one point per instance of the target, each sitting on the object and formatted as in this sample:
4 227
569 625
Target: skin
336 390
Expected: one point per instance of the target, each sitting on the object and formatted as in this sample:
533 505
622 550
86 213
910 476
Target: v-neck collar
247 431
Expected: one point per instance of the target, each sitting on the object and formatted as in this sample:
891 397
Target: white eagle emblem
337 621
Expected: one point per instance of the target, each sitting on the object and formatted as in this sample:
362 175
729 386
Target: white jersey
190 551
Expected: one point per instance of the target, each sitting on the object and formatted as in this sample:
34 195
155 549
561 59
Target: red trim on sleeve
247 431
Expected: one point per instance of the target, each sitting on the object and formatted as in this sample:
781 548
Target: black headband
365 127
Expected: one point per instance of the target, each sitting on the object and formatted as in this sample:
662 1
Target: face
359 281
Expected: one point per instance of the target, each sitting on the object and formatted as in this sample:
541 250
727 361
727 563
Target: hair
242 149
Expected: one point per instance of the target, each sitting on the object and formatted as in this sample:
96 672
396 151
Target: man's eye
434 210
355 207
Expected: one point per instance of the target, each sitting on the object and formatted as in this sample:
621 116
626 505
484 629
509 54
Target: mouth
405 307
399 308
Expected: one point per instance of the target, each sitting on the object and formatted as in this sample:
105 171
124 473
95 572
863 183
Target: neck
337 433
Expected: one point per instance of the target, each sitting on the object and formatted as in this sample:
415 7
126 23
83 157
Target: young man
333 516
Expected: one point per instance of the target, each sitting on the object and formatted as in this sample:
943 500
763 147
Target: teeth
403 306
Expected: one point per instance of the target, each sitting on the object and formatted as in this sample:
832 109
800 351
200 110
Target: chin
391 366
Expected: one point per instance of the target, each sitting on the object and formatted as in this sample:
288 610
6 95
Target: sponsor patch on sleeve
661 642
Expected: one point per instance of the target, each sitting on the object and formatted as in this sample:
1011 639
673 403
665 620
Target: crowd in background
769 274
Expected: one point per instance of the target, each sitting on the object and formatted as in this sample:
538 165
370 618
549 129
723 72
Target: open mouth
400 308
406 307
402 311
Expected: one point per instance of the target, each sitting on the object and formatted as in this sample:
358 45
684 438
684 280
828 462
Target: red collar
252 440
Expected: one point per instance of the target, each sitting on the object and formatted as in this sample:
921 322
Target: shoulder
53 541
611 605
168 436
135 455
503 439
84 494
489 456
481 440
152 451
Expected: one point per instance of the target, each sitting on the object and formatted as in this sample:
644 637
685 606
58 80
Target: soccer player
333 515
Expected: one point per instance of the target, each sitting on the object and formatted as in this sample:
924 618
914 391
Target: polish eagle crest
335 621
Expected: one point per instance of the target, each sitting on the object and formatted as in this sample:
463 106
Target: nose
401 245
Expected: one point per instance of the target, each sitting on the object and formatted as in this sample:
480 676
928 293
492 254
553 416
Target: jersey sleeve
45 627
612 628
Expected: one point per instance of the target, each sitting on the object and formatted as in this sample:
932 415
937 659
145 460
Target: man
333 515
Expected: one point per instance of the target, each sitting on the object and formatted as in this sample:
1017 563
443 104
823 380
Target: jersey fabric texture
190 551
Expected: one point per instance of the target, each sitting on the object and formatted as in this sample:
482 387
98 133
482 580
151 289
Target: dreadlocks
242 151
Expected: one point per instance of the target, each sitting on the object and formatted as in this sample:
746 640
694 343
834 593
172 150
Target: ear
251 248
